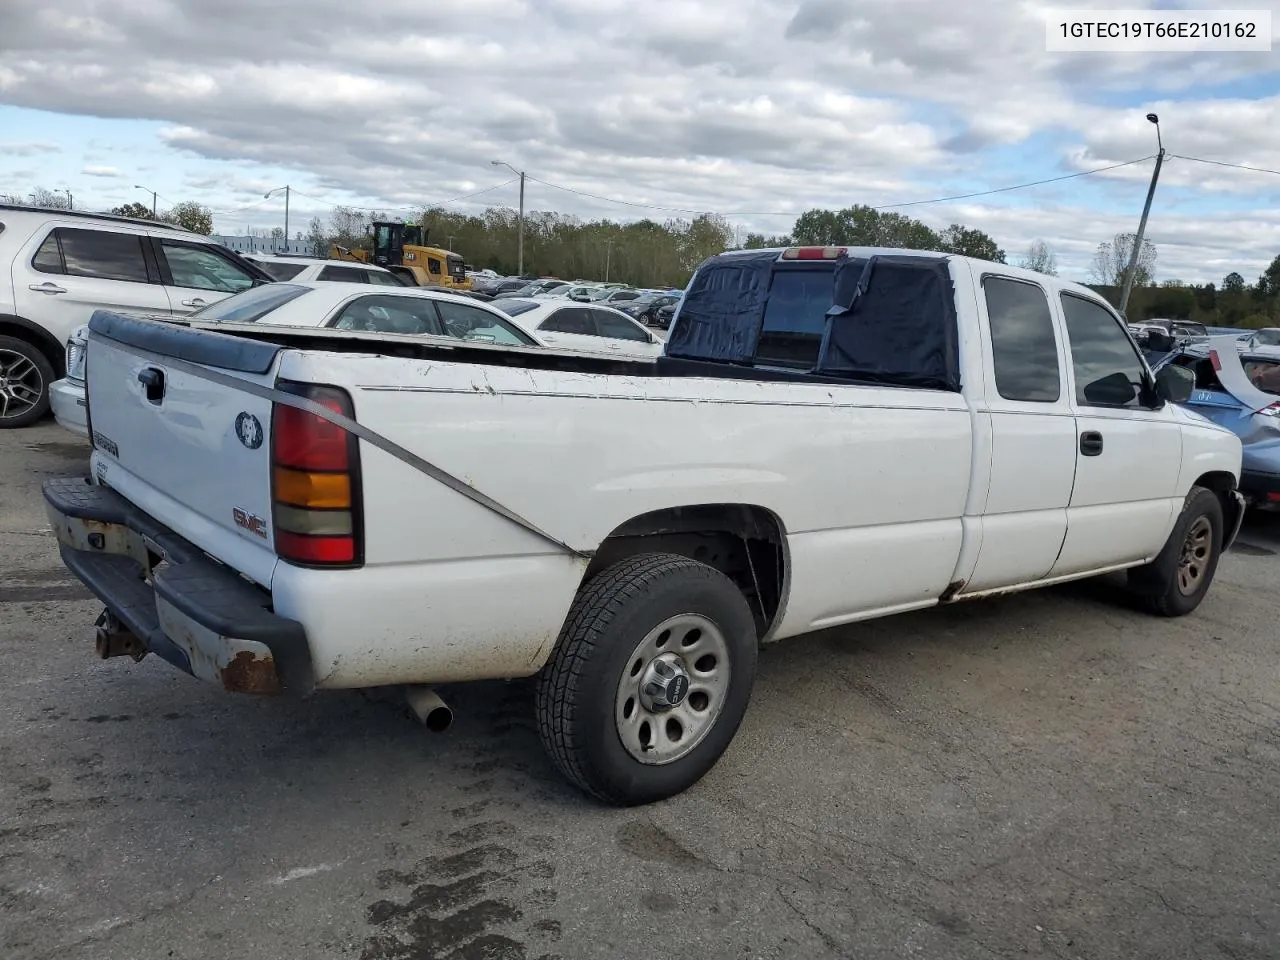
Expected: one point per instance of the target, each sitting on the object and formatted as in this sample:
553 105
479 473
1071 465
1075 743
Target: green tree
1233 283
134 209
190 216
969 242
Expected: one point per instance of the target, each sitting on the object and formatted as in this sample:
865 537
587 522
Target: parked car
58 266
590 329
663 316
1238 387
532 288
317 268
1265 337
645 308
415 311
282 510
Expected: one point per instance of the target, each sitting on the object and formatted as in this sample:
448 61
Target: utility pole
138 186
267 196
449 240
1142 224
608 258
520 220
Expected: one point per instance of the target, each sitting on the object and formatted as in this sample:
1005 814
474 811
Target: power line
1018 186
886 206
1223 163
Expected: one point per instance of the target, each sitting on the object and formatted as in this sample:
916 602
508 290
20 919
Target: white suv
316 268
57 267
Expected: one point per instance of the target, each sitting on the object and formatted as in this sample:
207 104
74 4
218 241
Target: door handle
46 288
153 381
194 302
1091 443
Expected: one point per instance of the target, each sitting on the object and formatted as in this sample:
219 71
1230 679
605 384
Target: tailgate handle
153 380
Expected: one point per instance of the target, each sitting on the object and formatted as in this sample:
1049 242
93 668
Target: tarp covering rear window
894 321
722 309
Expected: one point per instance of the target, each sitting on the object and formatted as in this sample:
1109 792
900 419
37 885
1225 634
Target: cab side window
1108 372
1022 341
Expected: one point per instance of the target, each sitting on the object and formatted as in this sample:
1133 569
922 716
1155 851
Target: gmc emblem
247 521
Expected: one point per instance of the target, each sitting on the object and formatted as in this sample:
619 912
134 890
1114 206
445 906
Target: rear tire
25 378
636 628
1176 581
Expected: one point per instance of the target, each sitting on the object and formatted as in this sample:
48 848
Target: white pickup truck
834 434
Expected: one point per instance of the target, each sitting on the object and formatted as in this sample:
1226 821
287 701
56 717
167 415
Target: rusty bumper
165 596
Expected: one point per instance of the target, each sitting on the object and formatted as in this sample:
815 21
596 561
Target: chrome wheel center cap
664 683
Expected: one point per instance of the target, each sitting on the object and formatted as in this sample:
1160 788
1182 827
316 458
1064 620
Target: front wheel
649 680
1174 583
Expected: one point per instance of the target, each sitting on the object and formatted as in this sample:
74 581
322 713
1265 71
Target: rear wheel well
39 338
744 542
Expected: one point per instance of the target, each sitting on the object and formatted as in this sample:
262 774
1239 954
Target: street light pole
608 258
1142 224
520 220
138 186
267 196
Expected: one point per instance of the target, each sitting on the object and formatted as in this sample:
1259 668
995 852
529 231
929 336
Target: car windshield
513 308
1267 338
250 306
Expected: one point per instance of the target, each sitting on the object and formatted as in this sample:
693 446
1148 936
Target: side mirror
1174 383
1115 389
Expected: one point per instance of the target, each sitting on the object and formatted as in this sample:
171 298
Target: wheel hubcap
1193 560
21 384
672 689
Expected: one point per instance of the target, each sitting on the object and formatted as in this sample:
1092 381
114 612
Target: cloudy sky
756 109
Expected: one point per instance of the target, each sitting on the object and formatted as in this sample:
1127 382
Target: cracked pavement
1049 774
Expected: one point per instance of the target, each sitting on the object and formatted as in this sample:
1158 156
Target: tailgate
177 431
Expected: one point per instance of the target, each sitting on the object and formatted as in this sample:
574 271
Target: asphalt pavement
1044 775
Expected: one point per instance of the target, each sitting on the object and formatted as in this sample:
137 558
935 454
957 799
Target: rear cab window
818 312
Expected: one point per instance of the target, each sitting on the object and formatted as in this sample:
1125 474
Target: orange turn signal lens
321 491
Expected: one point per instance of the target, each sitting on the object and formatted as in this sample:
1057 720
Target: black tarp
894 321
720 316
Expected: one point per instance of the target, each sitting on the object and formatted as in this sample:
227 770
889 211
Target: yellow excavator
402 249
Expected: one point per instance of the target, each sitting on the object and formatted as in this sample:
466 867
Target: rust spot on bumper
249 674
953 588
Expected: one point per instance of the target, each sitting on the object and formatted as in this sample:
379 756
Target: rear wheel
649 680
1176 581
25 378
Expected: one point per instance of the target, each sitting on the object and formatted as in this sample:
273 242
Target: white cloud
97 171
759 106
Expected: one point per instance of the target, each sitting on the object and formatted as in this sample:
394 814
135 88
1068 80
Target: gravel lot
1048 774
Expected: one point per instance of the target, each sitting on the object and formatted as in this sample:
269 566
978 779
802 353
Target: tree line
652 253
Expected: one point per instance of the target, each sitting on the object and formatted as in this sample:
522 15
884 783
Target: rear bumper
1260 488
179 604
69 406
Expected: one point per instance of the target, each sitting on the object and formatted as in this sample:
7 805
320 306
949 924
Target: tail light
315 480
814 253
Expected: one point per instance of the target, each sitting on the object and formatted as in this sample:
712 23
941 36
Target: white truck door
1128 455
1033 435
196 274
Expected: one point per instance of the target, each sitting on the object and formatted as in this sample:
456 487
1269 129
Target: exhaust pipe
429 708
